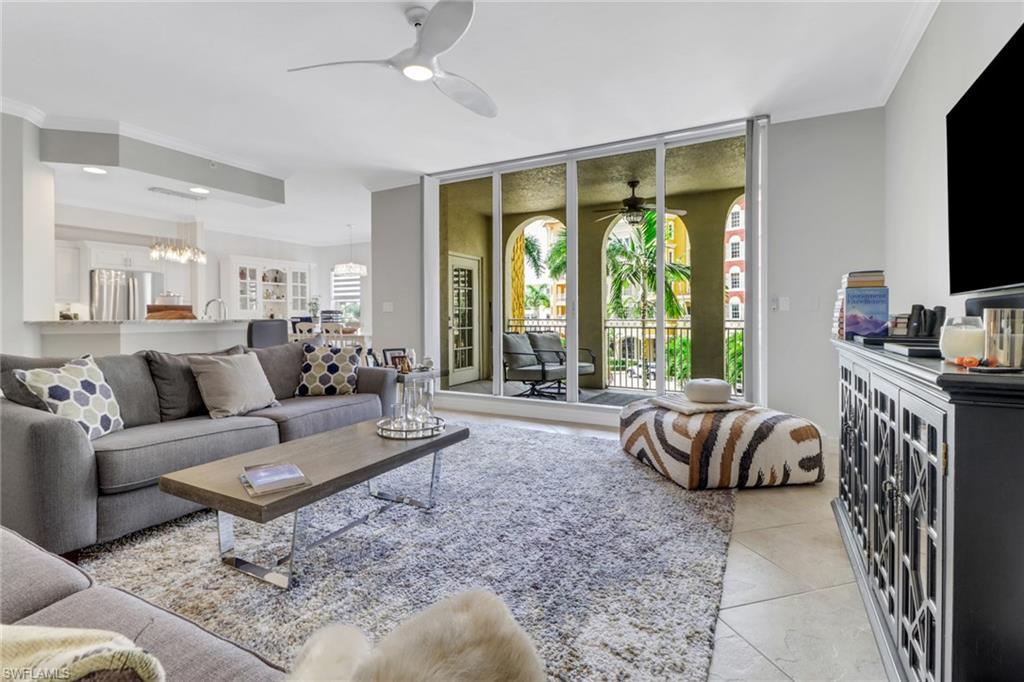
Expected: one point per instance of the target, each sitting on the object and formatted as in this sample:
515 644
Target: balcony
630 347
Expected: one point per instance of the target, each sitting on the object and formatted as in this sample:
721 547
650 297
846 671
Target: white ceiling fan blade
446 23
379 62
466 93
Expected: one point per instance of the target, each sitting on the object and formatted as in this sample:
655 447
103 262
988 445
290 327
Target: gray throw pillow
232 384
283 366
176 386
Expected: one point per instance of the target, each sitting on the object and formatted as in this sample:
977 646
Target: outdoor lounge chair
538 360
548 348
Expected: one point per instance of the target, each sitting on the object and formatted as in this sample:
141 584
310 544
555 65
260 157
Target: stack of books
263 479
862 305
862 279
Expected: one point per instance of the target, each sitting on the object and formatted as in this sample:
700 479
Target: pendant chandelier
351 268
177 252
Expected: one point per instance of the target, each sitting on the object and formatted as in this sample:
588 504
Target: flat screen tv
985 170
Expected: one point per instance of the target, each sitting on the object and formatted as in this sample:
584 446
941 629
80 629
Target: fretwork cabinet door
860 469
885 436
920 484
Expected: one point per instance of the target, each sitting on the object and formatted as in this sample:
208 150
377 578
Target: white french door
463 319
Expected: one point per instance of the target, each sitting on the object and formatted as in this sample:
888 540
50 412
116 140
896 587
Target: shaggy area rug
615 572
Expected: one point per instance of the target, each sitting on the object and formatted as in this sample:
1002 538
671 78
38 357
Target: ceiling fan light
635 216
418 72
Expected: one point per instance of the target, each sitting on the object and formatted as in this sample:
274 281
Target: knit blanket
36 652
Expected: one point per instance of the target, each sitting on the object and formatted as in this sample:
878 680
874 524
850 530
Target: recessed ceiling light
198 190
94 170
418 73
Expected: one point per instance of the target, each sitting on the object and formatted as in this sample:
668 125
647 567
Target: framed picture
393 357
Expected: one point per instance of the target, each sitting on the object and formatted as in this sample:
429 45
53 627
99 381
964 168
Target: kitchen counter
133 322
64 338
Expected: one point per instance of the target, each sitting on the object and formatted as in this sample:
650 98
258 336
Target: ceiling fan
634 208
437 31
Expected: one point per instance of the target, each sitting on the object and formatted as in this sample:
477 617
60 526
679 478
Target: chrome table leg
282 573
400 498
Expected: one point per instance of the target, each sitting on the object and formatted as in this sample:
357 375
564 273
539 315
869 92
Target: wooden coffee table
332 461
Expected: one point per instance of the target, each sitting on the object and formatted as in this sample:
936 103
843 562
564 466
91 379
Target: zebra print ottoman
740 449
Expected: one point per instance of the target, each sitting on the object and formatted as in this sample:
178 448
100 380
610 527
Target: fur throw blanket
465 638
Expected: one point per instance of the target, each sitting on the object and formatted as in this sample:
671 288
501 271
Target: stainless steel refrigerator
122 294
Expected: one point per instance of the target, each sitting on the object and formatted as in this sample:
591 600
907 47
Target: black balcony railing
630 347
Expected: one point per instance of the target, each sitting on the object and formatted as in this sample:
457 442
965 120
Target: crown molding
92 125
35 115
920 16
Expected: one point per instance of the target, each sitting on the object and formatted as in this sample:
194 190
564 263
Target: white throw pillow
231 384
708 390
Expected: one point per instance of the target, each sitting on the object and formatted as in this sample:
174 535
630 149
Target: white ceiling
212 76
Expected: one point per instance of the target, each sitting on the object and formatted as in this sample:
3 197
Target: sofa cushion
137 457
283 366
176 387
518 351
33 578
547 372
305 416
128 376
186 651
548 346
77 390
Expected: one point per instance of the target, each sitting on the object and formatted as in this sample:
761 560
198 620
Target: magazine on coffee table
262 479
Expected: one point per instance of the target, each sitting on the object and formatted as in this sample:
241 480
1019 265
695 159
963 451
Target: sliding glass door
601 275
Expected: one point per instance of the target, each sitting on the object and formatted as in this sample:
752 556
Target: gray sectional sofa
65 492
43 589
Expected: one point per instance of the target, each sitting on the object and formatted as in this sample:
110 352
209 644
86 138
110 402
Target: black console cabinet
931 510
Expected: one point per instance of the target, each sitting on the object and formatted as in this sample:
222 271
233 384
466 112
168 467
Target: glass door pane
465 220
618 279
533 243
705 261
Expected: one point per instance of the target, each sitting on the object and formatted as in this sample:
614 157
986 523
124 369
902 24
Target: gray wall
397 277
27 242
825 193
961 40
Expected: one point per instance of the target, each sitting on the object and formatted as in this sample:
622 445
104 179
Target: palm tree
631 263
537 298
531 251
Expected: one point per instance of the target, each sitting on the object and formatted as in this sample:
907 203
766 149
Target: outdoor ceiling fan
634 208
437 31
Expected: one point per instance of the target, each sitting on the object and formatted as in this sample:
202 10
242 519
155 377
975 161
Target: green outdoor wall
466 232
705 218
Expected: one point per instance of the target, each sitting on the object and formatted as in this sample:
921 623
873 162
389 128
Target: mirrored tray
406 429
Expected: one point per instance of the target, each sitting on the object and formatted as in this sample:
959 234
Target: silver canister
1004 336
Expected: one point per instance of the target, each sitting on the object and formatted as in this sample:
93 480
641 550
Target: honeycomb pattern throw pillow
328 371
78 391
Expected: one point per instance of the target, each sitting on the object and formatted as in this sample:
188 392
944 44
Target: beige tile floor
790 608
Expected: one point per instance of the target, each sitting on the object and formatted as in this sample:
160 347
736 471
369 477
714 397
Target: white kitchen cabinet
119 257
256 288
68 273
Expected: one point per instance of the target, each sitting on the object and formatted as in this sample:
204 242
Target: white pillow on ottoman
708 390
